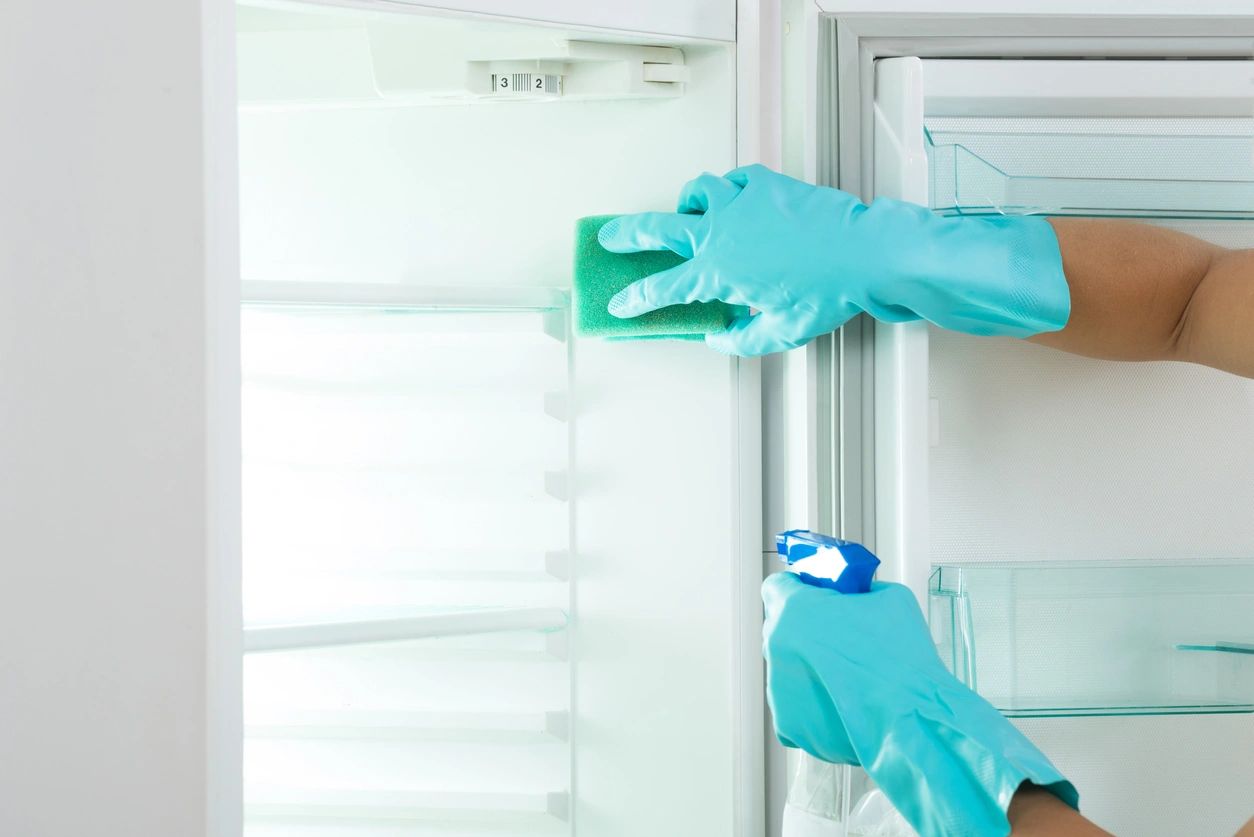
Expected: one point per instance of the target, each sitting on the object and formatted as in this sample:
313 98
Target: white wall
116 483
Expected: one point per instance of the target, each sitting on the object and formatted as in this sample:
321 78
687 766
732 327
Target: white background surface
117 487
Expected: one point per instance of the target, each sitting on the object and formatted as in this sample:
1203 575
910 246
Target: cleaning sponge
599 274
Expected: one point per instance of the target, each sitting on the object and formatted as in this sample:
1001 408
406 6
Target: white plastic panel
363 504
459 194
313 209
1155 777
712 19
395 462
419 732
654 596
469 200
901 350
398 515
957 87
353 59
1043 455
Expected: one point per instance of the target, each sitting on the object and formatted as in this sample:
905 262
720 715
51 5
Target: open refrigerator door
1048 497
1076 530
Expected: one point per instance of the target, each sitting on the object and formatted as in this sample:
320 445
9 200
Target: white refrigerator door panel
901 350
1002 450
1046 456
1042 9
956 87
1041 455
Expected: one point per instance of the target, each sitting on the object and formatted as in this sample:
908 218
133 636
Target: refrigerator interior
490 568
1038 456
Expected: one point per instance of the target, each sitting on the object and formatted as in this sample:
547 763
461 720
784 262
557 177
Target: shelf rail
359 724
460 623
403 804
396 295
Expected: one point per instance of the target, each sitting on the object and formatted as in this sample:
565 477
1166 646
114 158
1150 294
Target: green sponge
599 274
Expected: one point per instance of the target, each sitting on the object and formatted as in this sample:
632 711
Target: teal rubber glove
808 258
855 679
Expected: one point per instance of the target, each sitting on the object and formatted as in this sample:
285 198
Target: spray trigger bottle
833 800
824 561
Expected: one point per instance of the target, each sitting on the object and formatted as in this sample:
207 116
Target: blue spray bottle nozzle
824 561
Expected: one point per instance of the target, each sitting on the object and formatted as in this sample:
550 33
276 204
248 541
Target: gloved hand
808 258
856 679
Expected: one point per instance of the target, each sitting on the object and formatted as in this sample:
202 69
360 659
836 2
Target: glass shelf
1047 639
1200 169
402 628
356 806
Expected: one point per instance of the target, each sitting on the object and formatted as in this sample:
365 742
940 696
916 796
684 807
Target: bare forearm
1035 812
1146 293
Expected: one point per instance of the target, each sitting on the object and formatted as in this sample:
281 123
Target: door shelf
1044 639
1105 172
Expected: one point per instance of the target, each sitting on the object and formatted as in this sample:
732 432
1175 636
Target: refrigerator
381 547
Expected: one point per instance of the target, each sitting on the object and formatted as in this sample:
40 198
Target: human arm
1035 812
855 679
808 258
1141 292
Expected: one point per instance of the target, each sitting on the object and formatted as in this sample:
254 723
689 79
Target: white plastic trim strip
901 351
366 295
990 87
330 634
402 804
